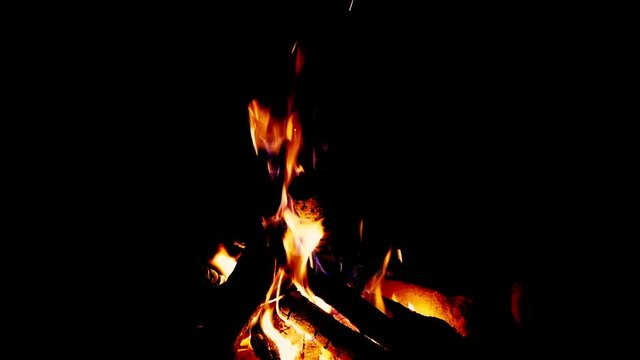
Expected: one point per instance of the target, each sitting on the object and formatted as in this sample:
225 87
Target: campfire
312 309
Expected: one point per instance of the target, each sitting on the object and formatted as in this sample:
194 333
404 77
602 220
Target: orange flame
373 289
223 262
302 235
267 133
286 348
301 238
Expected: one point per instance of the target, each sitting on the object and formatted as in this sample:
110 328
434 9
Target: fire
373 290
300 240
223 262
267 133
424 301
286 349
302 235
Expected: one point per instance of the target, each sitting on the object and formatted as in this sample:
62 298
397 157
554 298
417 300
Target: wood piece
400 334
263 347
315 333
340 340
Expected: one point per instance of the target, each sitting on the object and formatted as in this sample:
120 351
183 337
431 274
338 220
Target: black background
449 130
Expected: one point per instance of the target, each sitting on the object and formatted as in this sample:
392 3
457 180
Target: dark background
449 130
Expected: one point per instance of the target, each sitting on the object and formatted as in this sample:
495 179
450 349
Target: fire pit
369 279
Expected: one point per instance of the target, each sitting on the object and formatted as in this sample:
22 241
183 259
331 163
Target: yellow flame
373 289
223 262
325 354
411 307
400 256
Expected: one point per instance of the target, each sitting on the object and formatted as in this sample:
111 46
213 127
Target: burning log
321 335
399 334
263 347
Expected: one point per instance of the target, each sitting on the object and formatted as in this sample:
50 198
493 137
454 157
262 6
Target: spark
351 5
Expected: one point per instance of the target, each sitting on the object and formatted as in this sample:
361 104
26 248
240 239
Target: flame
266 133
400 256
286 349
411 307
301 237
302 234
223 262
373 289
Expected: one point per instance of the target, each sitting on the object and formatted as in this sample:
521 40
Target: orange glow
360 228
428 302
373 290
400 256
223 262
424 301
245 344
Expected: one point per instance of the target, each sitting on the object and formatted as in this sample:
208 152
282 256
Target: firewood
315 333
341 341
400 333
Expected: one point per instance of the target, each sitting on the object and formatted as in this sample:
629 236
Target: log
263 347
411 330
400 334
341 341
322 336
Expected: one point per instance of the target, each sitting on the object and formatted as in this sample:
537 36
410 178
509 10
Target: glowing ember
223 262
429 302
424 301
